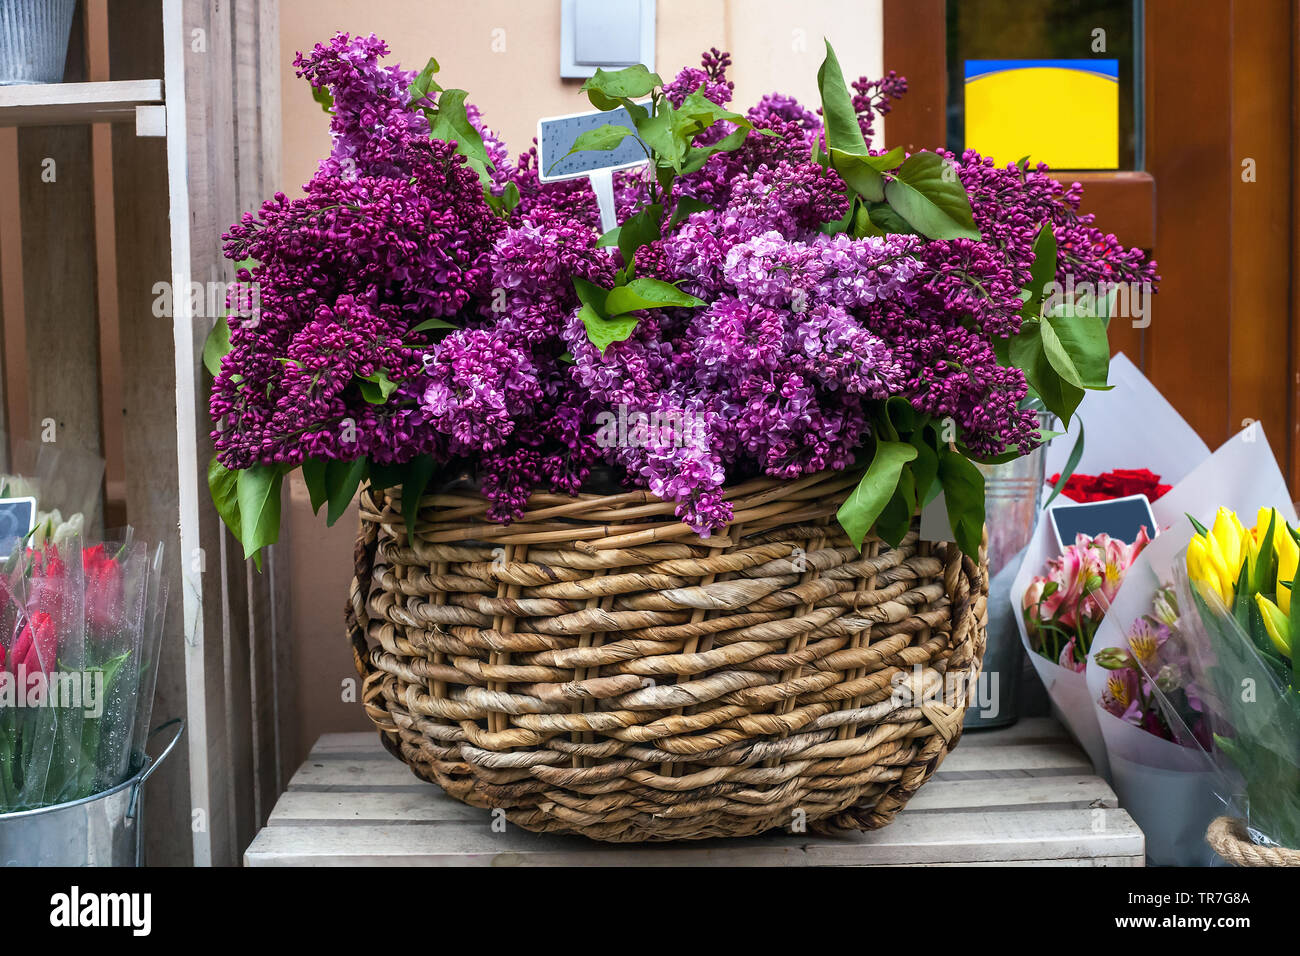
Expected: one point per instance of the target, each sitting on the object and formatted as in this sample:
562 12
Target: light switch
609 34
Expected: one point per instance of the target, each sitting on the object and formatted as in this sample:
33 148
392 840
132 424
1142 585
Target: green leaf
418 473
885 218
590 294
1264 574
660 134
510 196
887 161
216 346
862 172
963 494
928 194
602 331
1026 352
647 294
1294 618
313 476
424 84
1054 350
429 324
602 138
862 224
861 509
686 205
863 178
1041 273
925 468
1199 528
606 89
323 96
223 485
639 230
504 204
385 476
258 491
838 115
896 517
902 415
698 107
1083 339
1243 599
698 156
341 481
451 124
1071 463
376 387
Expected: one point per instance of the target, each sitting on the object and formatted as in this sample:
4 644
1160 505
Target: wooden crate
165 131
1022 795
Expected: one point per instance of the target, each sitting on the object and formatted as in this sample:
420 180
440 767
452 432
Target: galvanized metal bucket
101 830
34 40
1012 492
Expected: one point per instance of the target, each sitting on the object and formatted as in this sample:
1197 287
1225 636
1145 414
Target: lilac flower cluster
393 269
391 231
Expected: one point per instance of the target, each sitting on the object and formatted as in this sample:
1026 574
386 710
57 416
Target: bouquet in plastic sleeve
1064 607
1166 446
66 484
1241 583
1150 711
80 630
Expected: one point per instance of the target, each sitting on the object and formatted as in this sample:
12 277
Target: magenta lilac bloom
395 273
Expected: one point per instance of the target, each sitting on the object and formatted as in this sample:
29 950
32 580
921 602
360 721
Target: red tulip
104 600
37 646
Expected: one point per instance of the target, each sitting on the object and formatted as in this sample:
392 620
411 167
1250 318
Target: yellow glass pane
1061 112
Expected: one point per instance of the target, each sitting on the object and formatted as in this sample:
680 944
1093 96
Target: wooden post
57 210
220 117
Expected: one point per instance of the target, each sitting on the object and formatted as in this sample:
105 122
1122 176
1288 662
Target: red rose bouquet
1119 483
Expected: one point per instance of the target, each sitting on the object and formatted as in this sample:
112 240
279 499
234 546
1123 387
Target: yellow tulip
1200 567
1252 551
1276 624
1227 532
1227 578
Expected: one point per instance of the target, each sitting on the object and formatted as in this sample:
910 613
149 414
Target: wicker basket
597 668
1229 838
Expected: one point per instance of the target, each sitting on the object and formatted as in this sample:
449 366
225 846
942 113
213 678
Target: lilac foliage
392 267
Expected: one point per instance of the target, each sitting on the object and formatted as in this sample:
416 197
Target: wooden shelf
69 104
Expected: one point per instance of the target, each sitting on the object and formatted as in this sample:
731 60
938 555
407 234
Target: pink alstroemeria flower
1068 659
1116 557
1123 694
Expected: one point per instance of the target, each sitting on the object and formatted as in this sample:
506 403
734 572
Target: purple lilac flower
372 120
872 98
780 373
480 380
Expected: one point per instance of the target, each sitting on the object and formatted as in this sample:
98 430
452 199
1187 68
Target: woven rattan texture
597 668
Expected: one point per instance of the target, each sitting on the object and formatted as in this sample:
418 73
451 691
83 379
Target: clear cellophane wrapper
1249 696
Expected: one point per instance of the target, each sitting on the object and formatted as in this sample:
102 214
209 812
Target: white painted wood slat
1021 796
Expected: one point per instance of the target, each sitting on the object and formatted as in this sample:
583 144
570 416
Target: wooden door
1214 199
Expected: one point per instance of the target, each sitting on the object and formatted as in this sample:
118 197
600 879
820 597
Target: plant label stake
556 136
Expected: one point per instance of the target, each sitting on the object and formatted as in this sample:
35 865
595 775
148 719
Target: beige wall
776 44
